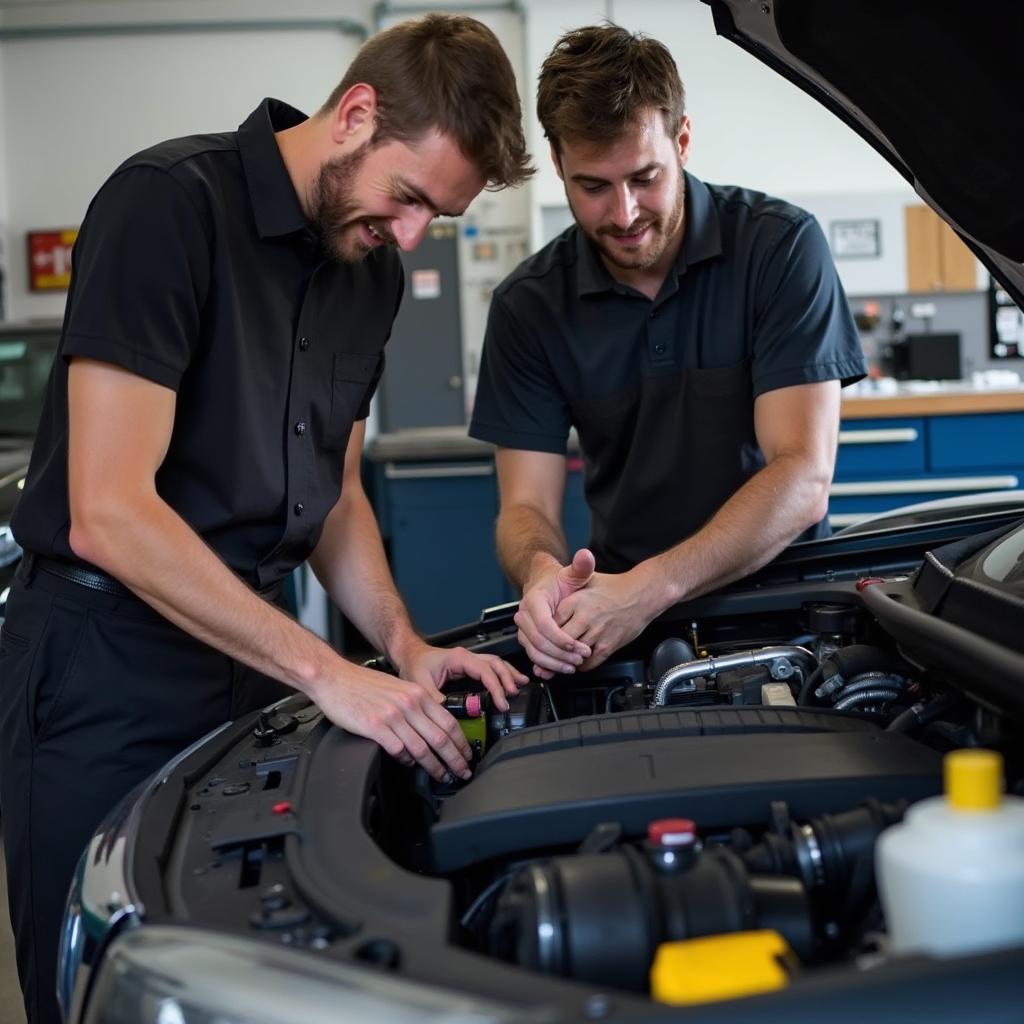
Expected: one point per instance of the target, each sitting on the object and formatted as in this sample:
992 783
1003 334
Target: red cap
284 807
672 832
868 581
474 706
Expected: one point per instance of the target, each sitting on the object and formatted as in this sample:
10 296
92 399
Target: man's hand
609 612
431 667
405 718
550 648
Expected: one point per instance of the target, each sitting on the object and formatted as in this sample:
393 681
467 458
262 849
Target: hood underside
934 86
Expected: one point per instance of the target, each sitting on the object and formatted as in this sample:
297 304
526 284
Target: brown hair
599 79
447 72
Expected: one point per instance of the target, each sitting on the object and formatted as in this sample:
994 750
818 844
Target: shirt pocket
351 377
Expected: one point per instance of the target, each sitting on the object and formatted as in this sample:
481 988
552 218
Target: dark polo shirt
195 268
662 393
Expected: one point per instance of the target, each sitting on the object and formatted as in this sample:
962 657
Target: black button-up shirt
662 393
195 268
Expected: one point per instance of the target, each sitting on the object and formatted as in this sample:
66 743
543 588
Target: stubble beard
650 256
334 209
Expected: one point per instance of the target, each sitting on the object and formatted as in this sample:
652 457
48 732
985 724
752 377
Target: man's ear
355 114
557 161
684 141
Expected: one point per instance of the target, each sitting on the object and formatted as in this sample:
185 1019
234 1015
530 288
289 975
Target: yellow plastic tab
973 779
475 729
721 967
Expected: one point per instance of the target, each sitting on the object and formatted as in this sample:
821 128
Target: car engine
724 783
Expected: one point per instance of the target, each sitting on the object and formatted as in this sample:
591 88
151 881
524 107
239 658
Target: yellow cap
721 967
973 779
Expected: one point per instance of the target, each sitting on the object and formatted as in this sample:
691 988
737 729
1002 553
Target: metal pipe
14 33
712 666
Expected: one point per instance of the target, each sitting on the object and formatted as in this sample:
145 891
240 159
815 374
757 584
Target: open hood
933 85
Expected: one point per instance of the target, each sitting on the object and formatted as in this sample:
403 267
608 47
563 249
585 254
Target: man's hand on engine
549 647
432 667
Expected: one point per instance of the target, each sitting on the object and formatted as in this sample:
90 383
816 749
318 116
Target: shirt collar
702 240
274 202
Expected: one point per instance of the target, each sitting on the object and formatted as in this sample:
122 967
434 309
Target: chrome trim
101 898
165 973
893 435
393 472
547 921
924 485
809 855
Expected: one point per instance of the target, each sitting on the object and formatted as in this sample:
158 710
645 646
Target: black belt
94 579
91 578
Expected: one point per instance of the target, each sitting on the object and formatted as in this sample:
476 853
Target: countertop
929 398
442 444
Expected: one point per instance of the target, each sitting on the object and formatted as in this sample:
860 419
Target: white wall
72 108
75 107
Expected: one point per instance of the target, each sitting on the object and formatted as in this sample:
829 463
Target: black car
725 777
26 354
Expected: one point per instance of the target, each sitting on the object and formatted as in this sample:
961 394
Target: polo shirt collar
274 202
702 240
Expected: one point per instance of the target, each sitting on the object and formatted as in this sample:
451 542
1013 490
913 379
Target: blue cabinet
437 519
437 515
887 463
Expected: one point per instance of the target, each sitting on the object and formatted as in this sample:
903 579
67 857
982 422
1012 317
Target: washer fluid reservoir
951 875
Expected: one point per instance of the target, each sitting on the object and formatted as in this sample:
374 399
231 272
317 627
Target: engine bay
720 785
733 779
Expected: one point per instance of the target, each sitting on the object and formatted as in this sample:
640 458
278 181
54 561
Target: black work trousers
97 692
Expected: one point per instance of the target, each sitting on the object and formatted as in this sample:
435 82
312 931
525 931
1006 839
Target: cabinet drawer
986 441
848 500
867 447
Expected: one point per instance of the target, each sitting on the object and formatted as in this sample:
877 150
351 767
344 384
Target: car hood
933 86
14 456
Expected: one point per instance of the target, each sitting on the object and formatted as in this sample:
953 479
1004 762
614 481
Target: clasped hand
573 618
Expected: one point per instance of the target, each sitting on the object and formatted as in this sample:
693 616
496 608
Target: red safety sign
49 259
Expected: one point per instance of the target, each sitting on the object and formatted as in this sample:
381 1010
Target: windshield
25 361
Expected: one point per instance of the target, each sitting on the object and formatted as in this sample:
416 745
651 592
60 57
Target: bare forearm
528 541
750 529
147 546
351 564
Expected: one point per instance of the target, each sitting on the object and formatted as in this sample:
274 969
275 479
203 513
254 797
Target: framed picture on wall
49 259
855 239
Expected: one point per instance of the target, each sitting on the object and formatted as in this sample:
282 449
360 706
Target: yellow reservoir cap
721 967
973 779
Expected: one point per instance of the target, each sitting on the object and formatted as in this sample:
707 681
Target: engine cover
552 784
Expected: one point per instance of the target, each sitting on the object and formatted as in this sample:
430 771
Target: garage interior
86 83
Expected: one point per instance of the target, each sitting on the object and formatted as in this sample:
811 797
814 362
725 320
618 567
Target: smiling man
225 328
696 336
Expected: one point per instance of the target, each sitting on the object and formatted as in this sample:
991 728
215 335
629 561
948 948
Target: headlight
10 550
168 975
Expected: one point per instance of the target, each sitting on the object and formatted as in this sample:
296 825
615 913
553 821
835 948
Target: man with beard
696 337
230 302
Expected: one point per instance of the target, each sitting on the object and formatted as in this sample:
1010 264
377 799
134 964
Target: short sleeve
519 403
140 274
803 331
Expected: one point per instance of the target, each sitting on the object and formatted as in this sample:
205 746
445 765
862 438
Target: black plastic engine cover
552 784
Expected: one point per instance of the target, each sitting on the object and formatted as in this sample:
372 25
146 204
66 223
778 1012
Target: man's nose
626 207
409 228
